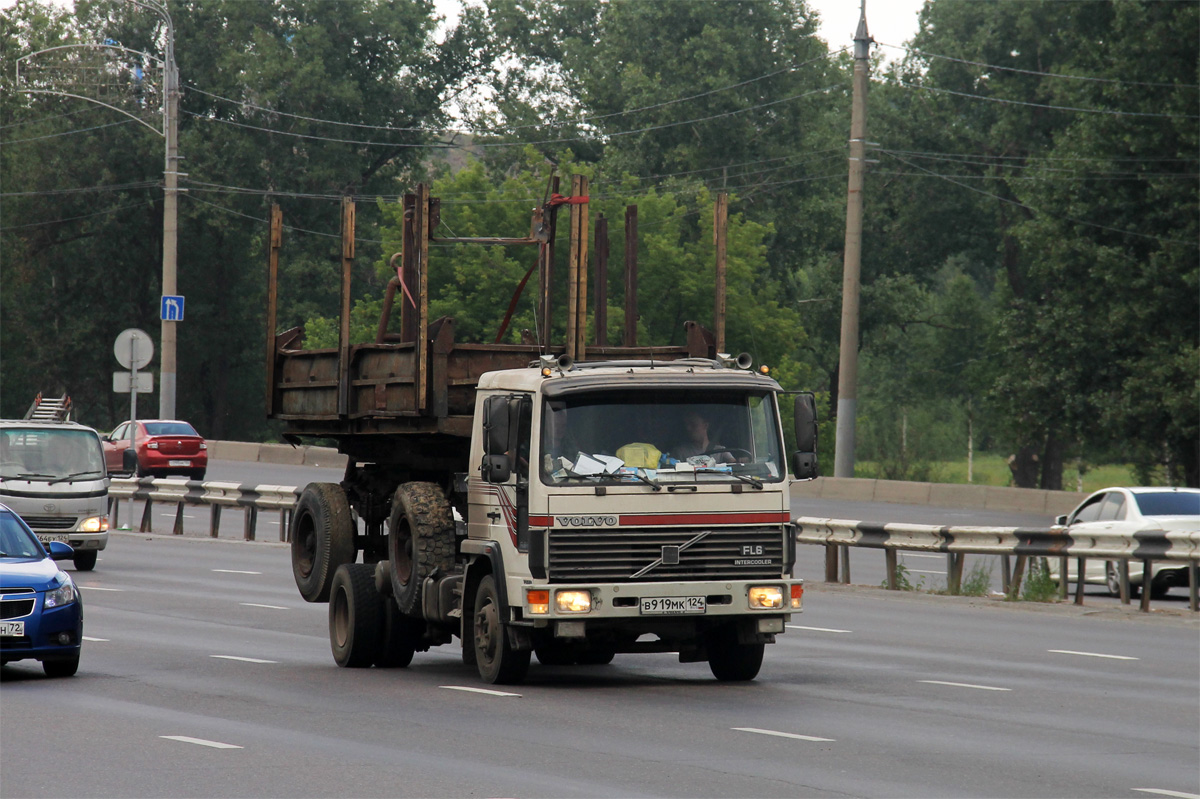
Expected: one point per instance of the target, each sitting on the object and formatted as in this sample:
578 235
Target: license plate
672 605
179 463
46 539
11 629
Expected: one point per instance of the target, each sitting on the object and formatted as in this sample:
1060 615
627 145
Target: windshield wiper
745 478
74 476
657 486
27 475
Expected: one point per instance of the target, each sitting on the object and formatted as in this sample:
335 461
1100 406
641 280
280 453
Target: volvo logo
585 521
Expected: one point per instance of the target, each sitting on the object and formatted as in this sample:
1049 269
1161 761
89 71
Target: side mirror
496 468
129 461
495 426
59 550
804 460
1061 521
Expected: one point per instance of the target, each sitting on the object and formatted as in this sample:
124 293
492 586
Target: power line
1042 74
510 130
71 218
145 184
987 159
950 179
895 82
66 132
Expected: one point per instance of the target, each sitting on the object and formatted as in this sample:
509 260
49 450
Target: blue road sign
172 308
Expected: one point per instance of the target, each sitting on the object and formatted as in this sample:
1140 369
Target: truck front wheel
322 534
731 661
496 660
420 541
354 622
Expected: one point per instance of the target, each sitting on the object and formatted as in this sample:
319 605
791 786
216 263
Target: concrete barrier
940 495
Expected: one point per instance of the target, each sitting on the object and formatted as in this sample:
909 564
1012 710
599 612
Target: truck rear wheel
399 637
496 660
322 534
354 616
420 541
731 661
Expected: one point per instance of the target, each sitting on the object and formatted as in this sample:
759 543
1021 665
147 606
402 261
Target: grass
993 470
1037 586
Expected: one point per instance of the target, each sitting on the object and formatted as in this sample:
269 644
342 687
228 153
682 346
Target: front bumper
625 601
42 630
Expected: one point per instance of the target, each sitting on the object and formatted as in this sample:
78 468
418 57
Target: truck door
500 510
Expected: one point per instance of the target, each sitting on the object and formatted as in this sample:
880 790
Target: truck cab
611 526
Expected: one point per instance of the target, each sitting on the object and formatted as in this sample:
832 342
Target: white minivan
52 475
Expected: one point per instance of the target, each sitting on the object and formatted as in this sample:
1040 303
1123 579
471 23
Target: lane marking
98 588
257 605
965 685
924 571
477 690
234 571
778 734
89 638
1091 654
816 629
242 659
1161 792
200 742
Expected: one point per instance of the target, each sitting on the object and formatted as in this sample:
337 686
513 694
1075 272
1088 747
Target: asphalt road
204 674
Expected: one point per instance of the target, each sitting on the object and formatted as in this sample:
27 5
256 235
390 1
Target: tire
197 474
1159 590
61 668
322 535
354 616
497 662
420 541
399 636
1112 579
85 561
731 661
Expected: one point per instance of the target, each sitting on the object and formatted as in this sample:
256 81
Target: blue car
41 611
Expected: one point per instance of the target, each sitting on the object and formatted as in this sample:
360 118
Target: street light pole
166 381
166 395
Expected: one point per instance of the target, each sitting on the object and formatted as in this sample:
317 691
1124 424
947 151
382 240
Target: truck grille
51 522
618 556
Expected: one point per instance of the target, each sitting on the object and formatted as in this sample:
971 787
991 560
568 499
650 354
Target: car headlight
573 601
94 524
63 595
766 596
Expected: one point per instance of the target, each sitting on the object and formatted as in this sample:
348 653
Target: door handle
494 515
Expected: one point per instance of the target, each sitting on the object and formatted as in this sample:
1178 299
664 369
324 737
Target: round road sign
134 348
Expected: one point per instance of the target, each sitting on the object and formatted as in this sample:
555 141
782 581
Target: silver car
1126 511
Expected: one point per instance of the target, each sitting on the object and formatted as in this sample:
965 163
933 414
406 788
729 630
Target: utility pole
166 381
847 404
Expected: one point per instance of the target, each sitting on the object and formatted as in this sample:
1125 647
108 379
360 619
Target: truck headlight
766 596
94 524
573 601
63 595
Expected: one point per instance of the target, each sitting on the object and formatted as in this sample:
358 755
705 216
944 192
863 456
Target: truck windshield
666 435
43 454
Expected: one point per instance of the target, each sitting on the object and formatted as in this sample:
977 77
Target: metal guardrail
1023 543
250 498
955 542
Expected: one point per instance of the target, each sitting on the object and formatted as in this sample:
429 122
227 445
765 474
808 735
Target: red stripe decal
540 521
705 518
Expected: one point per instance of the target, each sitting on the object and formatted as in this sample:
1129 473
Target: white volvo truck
589 523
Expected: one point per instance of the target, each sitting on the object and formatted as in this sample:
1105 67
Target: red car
163 447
